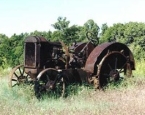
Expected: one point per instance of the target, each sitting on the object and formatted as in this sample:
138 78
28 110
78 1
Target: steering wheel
92 38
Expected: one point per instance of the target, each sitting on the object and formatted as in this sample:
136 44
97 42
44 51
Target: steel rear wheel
113 66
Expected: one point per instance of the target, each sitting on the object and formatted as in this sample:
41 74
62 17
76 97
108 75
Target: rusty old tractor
51 66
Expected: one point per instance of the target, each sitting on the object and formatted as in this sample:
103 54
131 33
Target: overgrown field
127 98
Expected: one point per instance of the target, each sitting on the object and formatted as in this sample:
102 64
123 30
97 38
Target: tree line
131 34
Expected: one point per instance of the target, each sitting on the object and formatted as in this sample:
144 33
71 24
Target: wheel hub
114 75
49 85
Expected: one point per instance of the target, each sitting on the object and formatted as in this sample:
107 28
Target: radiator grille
30 55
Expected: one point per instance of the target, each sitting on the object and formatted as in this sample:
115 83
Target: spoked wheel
51 82
18 76
113 66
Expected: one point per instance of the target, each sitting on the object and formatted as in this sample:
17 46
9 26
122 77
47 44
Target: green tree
16 44
64 32
4 49
61 24
91 27
104 27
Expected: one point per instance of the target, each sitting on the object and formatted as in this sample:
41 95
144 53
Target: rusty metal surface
30 57
79 46
31 70
34 39
90 62
79 53
101 50
75 76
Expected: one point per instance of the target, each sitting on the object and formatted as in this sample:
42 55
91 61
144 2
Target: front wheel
51 82
18 76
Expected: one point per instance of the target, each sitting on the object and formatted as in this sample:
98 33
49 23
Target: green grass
140 68
4 72
21 100
127 97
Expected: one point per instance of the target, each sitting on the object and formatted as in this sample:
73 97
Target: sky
20 16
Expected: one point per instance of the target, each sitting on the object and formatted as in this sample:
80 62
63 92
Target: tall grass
21 100
4 72
127 97
140 68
